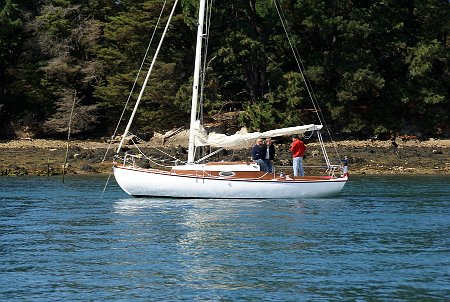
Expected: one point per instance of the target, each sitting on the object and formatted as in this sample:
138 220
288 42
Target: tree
11 34
125 41
82 119
67 37
374 67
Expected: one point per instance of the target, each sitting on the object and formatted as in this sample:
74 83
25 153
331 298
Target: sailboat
200 179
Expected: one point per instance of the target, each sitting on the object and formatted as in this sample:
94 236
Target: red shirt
298 148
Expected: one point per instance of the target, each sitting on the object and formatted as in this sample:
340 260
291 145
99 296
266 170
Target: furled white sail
202 138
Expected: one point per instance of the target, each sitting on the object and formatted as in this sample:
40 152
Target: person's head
295 137
268 141
260 141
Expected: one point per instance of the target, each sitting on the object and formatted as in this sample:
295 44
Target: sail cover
202 138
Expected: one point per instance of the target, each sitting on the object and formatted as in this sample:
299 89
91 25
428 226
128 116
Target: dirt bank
42 157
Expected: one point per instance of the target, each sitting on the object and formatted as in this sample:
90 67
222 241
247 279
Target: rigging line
147 77
208 155
106 184
203 76
165 153
297 58
68 134
324 150
300 64
301 67
307 81
148 158
135 80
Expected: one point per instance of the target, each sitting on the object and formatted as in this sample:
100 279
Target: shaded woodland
377 67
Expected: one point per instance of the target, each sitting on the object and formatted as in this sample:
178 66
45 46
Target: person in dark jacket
259 153
270 155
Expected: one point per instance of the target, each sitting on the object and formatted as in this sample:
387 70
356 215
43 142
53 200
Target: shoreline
39 157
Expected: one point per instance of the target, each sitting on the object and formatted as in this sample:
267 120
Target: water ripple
384 238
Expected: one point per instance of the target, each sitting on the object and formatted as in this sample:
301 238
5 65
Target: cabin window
226 173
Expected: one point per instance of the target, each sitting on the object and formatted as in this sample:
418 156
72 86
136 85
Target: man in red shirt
298 149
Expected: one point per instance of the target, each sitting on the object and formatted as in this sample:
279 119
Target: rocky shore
46 157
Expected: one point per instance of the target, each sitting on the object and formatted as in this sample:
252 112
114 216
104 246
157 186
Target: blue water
384 238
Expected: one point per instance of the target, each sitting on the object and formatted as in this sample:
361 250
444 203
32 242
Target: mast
198 56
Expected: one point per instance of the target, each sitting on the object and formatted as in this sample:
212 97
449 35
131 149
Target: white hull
150 182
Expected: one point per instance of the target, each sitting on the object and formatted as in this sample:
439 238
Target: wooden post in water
68 135
48 164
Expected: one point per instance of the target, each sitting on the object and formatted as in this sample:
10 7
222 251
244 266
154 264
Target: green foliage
183 97
422 57
287 100
11 39
125 41
10 33
259 116
381 131
375 67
